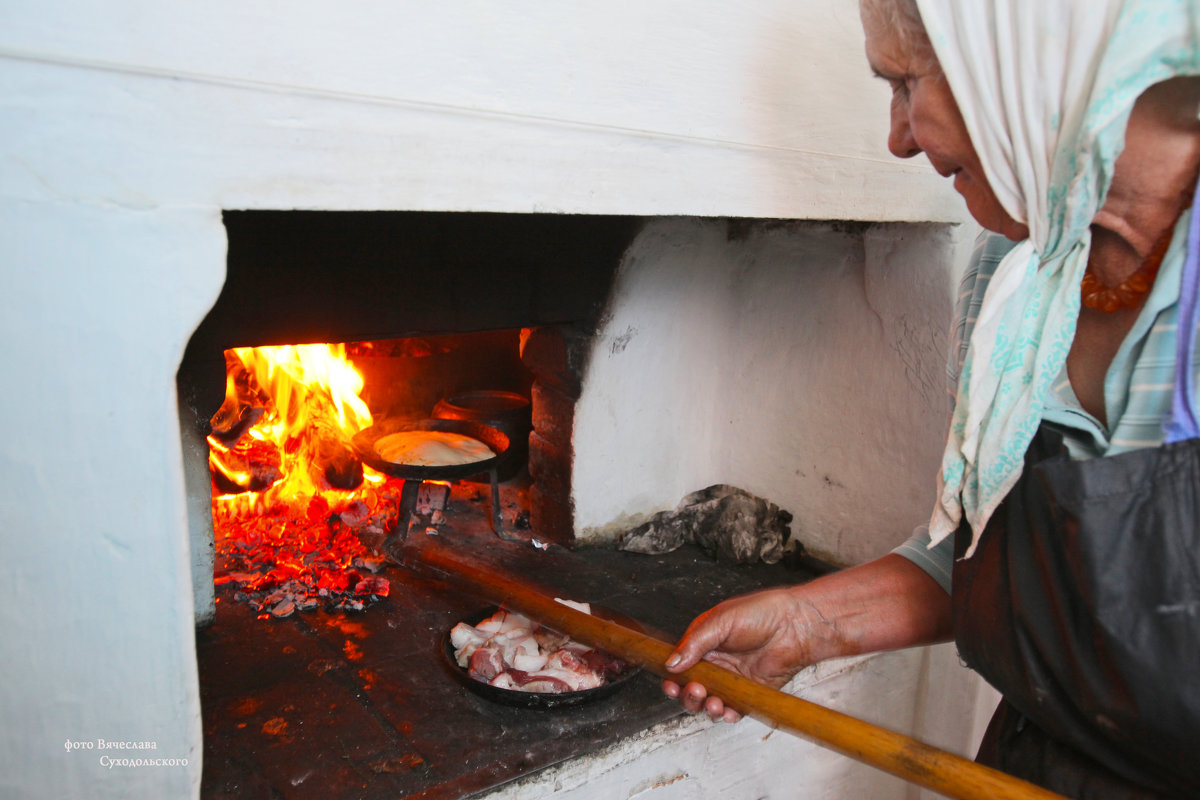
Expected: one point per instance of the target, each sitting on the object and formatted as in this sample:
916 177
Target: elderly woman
1070 129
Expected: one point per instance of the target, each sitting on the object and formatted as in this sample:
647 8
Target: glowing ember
291 501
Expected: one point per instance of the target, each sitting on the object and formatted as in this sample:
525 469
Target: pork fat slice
509 651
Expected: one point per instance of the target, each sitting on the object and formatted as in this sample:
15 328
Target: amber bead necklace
1128 294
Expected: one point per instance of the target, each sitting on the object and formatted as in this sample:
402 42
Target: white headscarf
1045 88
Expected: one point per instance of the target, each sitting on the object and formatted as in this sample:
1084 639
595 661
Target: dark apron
1085 617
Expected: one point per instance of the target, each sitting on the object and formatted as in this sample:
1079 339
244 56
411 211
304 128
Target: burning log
254 465
230 425
245 404
334 462
250 466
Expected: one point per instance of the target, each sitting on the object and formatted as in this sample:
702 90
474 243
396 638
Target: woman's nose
900 137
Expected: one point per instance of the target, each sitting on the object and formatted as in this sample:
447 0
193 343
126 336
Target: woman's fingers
719 712
696 699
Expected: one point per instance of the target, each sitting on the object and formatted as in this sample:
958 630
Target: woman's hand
762 636
771 635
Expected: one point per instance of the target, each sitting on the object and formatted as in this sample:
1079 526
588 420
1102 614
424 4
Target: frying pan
412 474
512 697
364 444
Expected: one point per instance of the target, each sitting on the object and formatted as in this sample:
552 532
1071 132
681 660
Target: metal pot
508 412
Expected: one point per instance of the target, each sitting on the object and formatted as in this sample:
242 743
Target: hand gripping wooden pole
892 752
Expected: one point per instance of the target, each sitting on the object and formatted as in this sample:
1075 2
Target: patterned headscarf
1045 88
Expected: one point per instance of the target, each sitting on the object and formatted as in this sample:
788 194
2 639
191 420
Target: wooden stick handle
892 752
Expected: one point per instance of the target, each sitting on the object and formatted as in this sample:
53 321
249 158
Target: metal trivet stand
414 475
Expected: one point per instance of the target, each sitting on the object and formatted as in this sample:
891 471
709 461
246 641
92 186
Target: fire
310 404
291 501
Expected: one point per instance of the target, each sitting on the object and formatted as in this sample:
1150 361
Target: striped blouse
1137 388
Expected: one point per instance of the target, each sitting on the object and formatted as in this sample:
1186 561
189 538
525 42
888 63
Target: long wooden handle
892 752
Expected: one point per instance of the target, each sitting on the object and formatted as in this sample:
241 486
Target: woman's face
925 118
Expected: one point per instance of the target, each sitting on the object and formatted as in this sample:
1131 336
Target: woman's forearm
771 635
885 604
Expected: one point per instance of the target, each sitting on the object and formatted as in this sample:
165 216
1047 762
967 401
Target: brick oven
688 211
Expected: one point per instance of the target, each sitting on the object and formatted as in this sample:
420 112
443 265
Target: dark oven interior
434 303
306 697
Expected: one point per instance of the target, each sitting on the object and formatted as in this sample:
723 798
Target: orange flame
292 373
281 437
312 404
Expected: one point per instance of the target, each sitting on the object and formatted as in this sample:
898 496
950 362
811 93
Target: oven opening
364 378
470 318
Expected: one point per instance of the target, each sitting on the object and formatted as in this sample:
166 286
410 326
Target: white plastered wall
802 362
128 126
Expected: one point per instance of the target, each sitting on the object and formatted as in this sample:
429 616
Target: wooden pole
892 752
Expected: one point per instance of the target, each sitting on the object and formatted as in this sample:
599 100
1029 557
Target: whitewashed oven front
810 350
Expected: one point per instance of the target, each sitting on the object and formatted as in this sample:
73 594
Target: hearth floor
364 704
